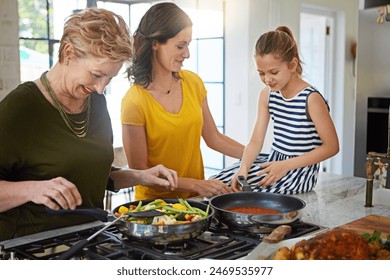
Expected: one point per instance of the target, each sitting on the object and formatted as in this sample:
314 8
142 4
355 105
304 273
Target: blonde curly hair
97 32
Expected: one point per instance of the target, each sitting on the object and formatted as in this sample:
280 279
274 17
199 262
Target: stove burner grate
215 243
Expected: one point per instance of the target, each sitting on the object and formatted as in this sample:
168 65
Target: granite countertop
337 200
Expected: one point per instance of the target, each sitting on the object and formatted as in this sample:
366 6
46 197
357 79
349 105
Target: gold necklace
79 128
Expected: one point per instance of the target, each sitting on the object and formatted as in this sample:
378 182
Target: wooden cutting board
369 224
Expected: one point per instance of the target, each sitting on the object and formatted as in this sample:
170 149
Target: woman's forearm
227 146
14 194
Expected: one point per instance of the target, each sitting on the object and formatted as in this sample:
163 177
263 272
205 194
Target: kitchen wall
9 46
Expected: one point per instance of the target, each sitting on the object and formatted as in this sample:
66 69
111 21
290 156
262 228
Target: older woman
55 132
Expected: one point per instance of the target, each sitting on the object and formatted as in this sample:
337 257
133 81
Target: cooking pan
290 209
165 234
158 234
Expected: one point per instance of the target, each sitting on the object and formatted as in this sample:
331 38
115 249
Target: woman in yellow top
165 112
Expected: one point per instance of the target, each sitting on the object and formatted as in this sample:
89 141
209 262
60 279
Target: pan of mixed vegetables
181 220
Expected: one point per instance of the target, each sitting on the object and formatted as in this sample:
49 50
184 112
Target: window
40 29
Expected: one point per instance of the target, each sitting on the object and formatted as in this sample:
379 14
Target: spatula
101 214
145 214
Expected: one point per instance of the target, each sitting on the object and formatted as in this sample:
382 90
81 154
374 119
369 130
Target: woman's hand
55 193
210 188
161 176
274 170
236 187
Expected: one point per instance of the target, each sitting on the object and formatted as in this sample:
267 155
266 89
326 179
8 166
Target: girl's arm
318 112
215 139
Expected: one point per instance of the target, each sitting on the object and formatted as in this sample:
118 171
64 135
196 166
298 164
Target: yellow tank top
172 139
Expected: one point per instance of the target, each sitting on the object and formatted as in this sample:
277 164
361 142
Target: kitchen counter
337 200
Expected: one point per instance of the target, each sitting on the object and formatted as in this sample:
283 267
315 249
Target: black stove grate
215 243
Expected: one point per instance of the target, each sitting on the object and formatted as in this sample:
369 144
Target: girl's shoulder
313 94
308 91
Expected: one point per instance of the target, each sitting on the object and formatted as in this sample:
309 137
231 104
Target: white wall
9 46
242 83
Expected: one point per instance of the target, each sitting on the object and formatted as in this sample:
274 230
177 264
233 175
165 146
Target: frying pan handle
244 184
73 250
96 213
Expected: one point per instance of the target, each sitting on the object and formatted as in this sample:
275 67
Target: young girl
304 134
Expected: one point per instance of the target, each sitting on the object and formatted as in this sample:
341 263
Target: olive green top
36 144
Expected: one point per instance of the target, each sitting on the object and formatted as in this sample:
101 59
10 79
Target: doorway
316 41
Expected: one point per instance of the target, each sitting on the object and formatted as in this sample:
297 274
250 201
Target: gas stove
217 242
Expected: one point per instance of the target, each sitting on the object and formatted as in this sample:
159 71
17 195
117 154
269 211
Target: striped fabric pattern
294 135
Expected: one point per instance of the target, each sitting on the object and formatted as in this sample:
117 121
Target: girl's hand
274 170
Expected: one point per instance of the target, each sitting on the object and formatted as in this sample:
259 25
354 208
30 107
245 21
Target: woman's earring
67 61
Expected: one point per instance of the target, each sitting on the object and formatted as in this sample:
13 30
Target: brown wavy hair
280 42
160 23
97 32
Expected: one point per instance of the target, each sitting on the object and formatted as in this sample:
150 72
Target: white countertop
337 200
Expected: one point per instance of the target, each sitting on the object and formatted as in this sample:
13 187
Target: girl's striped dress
294 135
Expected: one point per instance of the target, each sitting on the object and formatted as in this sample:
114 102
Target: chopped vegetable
179 206
376 237
123 210
175 213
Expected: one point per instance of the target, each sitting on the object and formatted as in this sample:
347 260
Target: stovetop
217 242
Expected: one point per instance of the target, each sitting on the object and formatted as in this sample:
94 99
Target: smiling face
87 75
171 54
274 72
